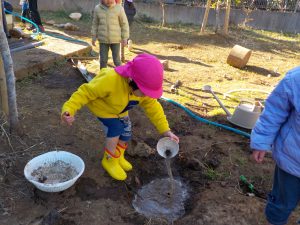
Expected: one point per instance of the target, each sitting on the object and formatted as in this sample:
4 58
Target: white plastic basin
51 157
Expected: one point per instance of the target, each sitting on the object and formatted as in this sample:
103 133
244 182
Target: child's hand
258 156
67 118
124 43
94 42
171 135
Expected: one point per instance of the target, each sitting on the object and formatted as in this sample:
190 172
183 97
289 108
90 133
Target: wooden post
217 25
163 22
10 79
204 22
227 15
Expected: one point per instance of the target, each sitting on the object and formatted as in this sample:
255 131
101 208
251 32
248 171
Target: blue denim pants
114 127
284 197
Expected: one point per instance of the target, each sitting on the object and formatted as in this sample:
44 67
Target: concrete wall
258 19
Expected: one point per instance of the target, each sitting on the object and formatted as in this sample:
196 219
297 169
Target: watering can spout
207 88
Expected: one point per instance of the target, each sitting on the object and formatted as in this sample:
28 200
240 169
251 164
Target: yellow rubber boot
111 164
123 162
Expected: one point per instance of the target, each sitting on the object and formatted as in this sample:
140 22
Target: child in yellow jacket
110 28
110 95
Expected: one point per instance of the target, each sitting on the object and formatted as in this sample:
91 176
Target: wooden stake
162 4
218 24
204 22
10 78
226 23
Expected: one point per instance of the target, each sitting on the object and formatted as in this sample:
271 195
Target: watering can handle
246 101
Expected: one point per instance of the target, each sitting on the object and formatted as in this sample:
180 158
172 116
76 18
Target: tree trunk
296 6
10 80
3 90
218 25
226 22
204 22
163 23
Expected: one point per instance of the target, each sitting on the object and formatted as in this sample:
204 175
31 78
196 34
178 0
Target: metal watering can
245 114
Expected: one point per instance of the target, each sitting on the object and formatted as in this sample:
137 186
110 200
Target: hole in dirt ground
162 198
154 187
88 189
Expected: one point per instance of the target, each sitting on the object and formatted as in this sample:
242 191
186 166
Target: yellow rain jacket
108 95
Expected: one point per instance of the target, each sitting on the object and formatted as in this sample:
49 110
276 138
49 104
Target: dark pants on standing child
34 13
115 49
284 197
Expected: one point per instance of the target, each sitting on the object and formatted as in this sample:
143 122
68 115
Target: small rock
223 184
269 75
61 25
70 26
75 16
149 132
165 64
140 149
16 33
50 22
227 77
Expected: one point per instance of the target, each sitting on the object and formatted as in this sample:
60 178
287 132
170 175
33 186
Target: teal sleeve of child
277 110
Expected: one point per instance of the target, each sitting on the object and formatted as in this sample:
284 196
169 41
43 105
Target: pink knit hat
147 72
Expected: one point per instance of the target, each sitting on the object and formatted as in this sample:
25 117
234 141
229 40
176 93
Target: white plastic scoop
167 148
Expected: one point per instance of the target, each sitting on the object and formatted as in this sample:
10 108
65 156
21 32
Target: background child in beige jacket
110 27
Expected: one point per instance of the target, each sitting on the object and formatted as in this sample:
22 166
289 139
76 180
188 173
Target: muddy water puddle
156 200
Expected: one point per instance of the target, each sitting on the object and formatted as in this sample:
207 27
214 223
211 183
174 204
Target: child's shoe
30 28
111 165
41 29
123 162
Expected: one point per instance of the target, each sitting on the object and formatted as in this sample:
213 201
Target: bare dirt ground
210 160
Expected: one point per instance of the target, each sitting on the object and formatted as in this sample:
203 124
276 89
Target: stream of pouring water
168 165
